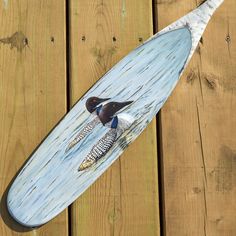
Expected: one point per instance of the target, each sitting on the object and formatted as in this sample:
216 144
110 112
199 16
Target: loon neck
98 109
114 122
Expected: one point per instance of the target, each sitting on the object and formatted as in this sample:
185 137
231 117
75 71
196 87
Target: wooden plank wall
32 91
196 128
124 201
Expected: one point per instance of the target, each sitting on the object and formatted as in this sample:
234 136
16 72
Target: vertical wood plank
198 126
32 91
124 201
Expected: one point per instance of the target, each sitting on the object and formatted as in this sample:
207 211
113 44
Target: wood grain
32 91
124 201
198 126
38 193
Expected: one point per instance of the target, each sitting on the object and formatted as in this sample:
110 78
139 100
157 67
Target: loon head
109 110
93 102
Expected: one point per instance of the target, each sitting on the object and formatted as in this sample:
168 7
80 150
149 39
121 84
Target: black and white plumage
83 133
99 149
117 126
93 105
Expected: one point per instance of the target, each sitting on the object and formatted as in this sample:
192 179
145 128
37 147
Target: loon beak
109 110
121 105
100 100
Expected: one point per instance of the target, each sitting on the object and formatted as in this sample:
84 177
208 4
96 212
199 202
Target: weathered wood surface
145 76
124 201
198 135
197 122
32 91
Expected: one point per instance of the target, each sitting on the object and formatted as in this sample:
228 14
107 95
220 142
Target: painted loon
117 124
94 106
